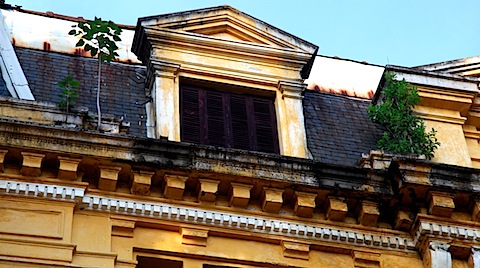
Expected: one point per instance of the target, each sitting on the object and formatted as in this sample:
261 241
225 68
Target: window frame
260 121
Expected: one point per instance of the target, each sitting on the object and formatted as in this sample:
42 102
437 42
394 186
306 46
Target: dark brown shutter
215 118
239 122
228 119
190 115
265 124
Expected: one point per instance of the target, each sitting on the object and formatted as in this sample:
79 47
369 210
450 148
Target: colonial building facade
214 153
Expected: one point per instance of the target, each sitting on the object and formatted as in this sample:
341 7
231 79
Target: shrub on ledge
405 132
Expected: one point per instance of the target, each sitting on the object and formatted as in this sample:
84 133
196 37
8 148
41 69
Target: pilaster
162 77
474 258
436 255
292 135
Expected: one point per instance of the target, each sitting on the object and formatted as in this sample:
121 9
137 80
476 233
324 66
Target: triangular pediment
227 23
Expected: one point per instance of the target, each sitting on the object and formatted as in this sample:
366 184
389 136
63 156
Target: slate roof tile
338 129
121 94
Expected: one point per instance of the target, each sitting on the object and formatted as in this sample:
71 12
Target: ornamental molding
257 224
445 231
298 230
57 192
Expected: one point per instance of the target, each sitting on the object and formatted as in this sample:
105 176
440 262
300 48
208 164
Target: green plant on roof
69 94
405 132
99 37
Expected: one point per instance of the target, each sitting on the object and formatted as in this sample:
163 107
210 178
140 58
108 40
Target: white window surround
163 113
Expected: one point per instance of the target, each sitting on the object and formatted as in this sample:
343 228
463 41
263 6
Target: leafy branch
99 37
69 93
405 131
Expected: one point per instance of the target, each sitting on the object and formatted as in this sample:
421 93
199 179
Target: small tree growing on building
405 131
99 37
69 94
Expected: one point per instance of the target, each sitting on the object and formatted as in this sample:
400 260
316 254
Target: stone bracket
108 177
336 208
141 183
240 194
304 204
207 190
440 204
295 250
68 168
2 158
32 164
403 221
195 237
272 200
174 186
369 213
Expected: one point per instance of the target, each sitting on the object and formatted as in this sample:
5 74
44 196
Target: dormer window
251 80
228 119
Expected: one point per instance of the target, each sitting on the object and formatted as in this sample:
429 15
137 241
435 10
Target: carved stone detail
336 208
207 191
2 158
196 237
403 221
240 194
108 177
32 164
68 168
368 213
441 204
304 204
174 186
295 250
272 200
365 259
141 183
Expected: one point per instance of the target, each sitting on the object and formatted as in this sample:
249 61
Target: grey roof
3 87
122 92
338 129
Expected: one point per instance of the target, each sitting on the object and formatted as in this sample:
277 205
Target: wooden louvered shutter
215 118
228 119
190 115
265 125
241 139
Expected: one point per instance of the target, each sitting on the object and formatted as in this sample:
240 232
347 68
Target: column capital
438 246
291 89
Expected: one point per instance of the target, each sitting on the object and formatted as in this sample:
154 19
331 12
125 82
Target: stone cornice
230 47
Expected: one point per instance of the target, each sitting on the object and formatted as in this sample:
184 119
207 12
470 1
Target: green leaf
80 43
93 51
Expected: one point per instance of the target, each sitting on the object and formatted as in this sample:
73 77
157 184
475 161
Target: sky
400 32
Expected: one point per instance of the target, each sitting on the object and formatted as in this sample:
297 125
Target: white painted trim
41 190
12 72
320 232
243 222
